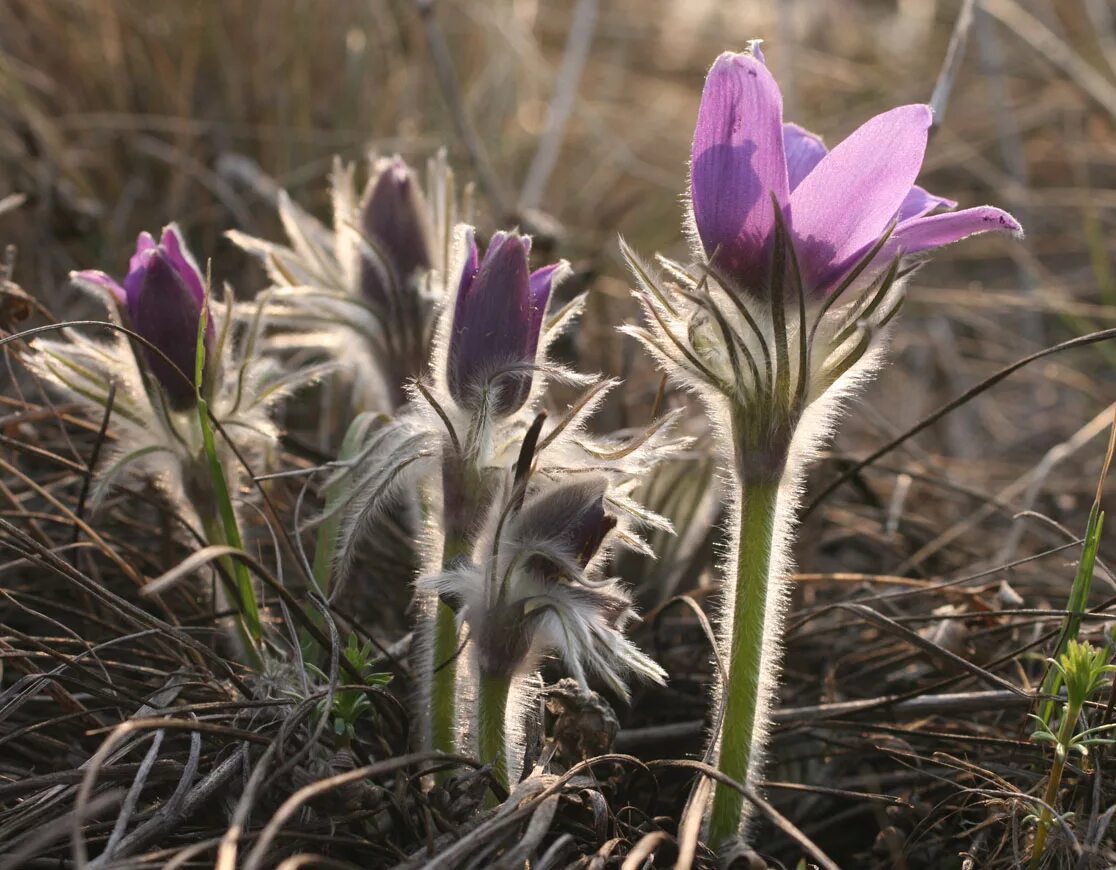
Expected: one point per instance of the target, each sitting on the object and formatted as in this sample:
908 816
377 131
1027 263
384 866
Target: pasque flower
366 289
539 577
539 589
161 299
161 427
837 205
497 320
800 260
474 416
163 295
396 221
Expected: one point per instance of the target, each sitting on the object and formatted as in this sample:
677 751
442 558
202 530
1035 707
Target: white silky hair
845 351
578 620
153 441
317 304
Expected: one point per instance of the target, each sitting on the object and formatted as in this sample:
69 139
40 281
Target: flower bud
571 518
396 221
497 320
163 296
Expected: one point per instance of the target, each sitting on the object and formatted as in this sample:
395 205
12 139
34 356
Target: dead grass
932 580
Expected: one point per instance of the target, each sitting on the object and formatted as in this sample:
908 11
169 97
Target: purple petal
542 282
846 203
921 202
138 267
171 243
144 243
100 279
494 336
926 233
469 267
164 310
396 214
804 151
737 165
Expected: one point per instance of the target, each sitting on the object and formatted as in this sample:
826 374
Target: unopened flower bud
497 321
163 296
571 518
396 221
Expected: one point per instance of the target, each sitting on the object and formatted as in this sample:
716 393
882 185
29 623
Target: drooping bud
163 296
570 518
396 222
497 320
541 593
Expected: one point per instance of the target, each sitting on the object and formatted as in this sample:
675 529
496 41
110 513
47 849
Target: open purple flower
497 321
163 296
837 204
395 220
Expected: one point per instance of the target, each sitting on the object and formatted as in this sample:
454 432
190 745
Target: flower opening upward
163 296
800 256
747 164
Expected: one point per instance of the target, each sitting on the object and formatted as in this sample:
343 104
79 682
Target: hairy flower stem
443 682
742 691
464 496
443 698
492 710
1065 735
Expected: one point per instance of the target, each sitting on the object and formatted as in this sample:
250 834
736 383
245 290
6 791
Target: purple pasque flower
837 204
396 221
497 320
163 296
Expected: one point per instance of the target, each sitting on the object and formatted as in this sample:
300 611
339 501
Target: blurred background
121 115
574 119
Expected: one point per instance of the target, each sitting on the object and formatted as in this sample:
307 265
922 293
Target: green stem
1065 735
492 710
228 531
443 681
214 532
741 699
443 698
